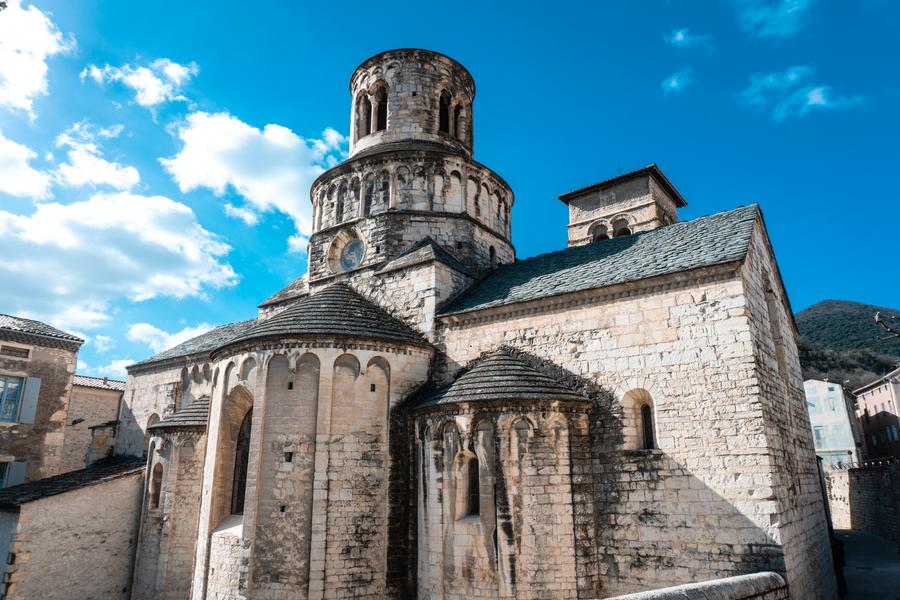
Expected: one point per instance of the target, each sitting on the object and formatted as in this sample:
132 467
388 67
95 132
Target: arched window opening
154 418
364 115
620 227
647 426
444 113
368 193
468 486
493 254
380 110
341 203
456 114
156 485
241 461
599 233
385 190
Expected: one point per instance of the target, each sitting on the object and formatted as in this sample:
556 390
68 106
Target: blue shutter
15 473
30 399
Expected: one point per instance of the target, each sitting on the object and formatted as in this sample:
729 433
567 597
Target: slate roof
298 287
425 250
206 342
652 170
32 327
100 383
337 310
715 239
503 377
107 470
196 414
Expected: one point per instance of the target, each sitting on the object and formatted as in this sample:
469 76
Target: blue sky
155 157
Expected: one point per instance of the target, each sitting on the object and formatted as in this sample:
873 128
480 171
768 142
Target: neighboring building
37 363
94 407
878 403
423 415
835 427
72 535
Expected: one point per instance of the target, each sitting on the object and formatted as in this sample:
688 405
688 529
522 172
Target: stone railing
756 586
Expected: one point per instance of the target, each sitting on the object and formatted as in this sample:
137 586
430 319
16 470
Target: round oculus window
352 254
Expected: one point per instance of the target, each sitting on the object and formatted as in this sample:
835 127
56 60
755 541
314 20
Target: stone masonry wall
699 508
40 444
792 490
79 544
866 499
94 406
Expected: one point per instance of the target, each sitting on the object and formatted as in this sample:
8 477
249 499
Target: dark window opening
456 113
493 255
380 110
444 113
372 388
156 485
288 457
599 234
241 461
647 423
290 385
473 495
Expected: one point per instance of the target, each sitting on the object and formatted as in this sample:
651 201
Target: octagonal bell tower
410 174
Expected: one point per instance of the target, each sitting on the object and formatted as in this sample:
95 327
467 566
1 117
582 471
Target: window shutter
30 400
15 473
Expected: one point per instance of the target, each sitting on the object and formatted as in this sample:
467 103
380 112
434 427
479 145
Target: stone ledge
765 585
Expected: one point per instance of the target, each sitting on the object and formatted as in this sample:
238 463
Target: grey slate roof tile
30 326
337 310
500 376
295 289
196 414
714 239
206 342
99 472
424 250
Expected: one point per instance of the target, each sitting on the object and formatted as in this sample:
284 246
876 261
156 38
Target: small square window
372 388
288 457
290 385
282 508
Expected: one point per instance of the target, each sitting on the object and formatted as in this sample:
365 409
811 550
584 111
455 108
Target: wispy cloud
789 94
772 18
17 176
160 340
683 38
27 39
159 82
271 168
675 84
86 165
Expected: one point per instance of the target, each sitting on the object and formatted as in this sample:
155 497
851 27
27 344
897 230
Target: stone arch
467 484
330 201
368 191
228 378
153 419
638 420
598 231
444 102
196 375
351 209
342 201
454 198
363 115
622 225
207 372
438 194
418 189
404 186
384 190
183 398
473 189
248 369
379 106
521 431
236 408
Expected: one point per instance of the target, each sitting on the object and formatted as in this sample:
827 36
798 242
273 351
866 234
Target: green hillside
840 341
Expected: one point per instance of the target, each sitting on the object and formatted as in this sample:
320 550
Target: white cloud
27 38
17 177
103 343
271 168
86 165
69 262
788 94
115 368
677 82
246 215
154 84
772 18
683 38
160 340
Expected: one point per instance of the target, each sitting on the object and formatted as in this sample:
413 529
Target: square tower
638 201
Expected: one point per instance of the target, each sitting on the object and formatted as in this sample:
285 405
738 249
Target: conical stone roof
500 376
336 311
196 414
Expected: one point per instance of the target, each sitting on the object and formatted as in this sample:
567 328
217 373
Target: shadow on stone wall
866 498
645 520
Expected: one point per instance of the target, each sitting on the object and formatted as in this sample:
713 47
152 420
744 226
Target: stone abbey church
422 415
